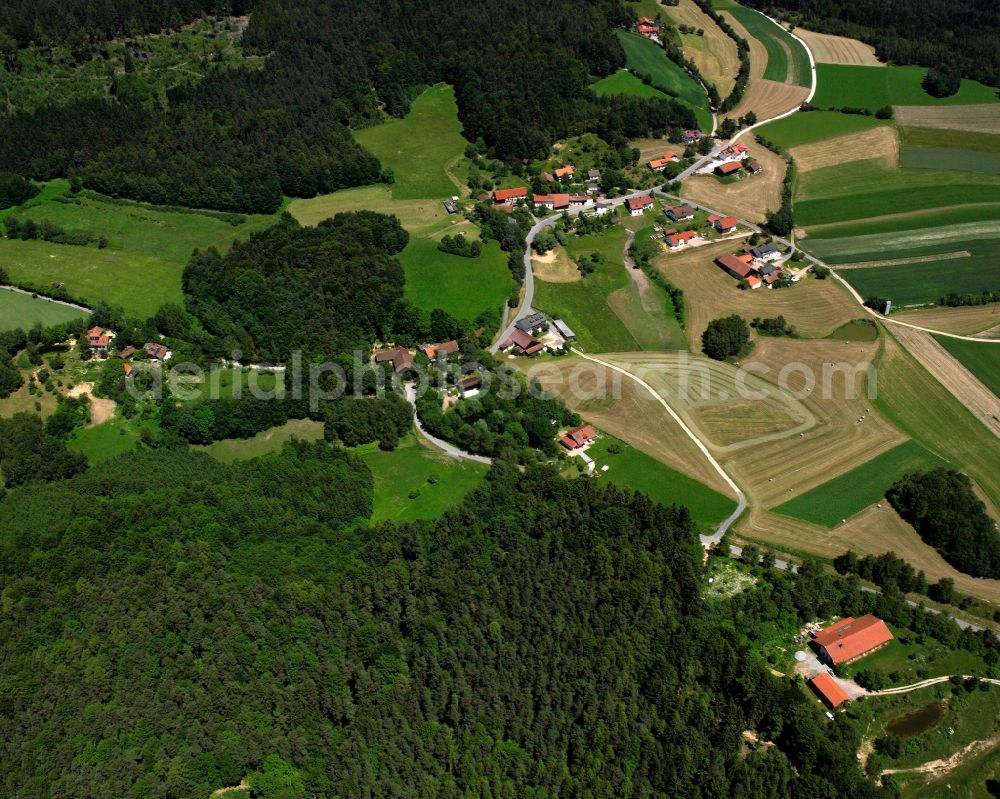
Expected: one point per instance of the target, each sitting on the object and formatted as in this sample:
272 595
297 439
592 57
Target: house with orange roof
829 690
850 639
753 281
735 266
399 357
676 240
658 164
553 202
723 224
578 437
565 172
734 153
98 338
636 205
509 196
728 168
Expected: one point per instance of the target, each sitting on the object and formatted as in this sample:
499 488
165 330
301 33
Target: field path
953 375
741 500
938 768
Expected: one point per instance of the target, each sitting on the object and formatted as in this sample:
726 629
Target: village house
728 168
533 323
692 136
735 153
829 690
509 196
451 206
765 252
850 639
636 205
469 386
157 352
593 174
127 353
98 339
578 200
128 369
680 213
553 202
753 281
676 240
399 357
647 27
565 172
658 164
578 437
723 224
754 167
737 266
548 177
440 350
523 344
603 207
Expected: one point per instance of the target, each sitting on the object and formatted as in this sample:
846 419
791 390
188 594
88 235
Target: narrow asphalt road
18 290
448 449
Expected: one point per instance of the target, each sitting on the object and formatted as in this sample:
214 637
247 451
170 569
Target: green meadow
632 468
267 441
815 126
422 147
415 482
874 87
930 218
624 82
104 441
949 158
464 287
647 57
840 498
24 311
787 60
982 359
950 139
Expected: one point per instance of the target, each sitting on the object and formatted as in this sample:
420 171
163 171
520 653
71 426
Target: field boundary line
741 500
37 295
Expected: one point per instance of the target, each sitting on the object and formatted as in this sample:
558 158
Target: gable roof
753 281
532 321
399 357
444 348
726 222
829 689
522 339
155 350
502 195
850 638
764 249
637 203
565 170
734 265
578 436
680 211
728 168
680 238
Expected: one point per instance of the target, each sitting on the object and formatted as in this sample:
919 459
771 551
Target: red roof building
659 163
575 439
469 383
399 358
829 690
510 196
128 369
636 205
433 351
158 352
565 172
523 342
98 339
680 239
851 638
728 168
734 266
127 353
736 152
725 224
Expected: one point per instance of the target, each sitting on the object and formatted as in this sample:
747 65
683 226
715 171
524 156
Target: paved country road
448 449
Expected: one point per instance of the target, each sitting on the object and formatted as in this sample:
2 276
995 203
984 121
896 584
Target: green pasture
874 87
422 147
840 498
645 56
945 218
805 128
911 657
949 158
464 287
624 82
787 60
138 283
24 311
241 449
633 468
437 481
950 139
105 441
918 283
982 359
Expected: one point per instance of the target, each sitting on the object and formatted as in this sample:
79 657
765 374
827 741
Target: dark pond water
916 722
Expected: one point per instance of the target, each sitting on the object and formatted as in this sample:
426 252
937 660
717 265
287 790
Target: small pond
916 722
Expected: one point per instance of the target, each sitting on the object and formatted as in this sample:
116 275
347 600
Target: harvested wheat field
836 375
625 409
758 53
555 267
827 49
967 321
768 98
982 118
880 143
962 384
750 197
714 53
814 307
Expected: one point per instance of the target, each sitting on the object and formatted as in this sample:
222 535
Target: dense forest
171 625
931 33
944 509
241 138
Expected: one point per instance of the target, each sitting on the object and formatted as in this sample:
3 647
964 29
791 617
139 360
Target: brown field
836 443
749 198
927 410
626 410
727 423
768 98
962 384
827 49
814 307
758 53
880 143
714 53
555 267
654 148
983 118
871 532
963 321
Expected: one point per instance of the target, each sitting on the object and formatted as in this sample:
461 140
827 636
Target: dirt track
101 410
964 385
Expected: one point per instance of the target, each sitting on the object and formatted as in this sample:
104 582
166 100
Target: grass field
911 657
23 310
815 126
633 468
138 283
624 82
901 223
464 287
987 163
241 449
104 441
832 502
874 87
915 402
954 139
983 360
787 60
981 118
409 469
422 147
644 56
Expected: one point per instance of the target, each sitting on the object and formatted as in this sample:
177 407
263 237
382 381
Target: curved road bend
448 449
